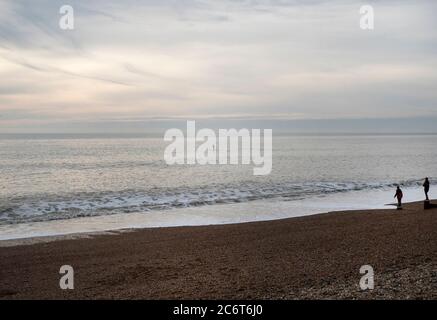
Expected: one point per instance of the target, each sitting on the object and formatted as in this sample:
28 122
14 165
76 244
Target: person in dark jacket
399 195
426 188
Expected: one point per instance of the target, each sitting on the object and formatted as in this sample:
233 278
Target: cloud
223 59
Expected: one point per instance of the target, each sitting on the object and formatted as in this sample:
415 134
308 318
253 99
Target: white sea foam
107 203
257 210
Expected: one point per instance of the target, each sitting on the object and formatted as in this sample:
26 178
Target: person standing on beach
399 195
426 188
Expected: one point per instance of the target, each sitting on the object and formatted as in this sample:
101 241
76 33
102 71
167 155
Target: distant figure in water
399 195
426 188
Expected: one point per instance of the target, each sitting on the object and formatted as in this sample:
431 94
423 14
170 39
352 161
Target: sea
56 184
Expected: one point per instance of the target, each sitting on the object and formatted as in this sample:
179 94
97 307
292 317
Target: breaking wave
55 207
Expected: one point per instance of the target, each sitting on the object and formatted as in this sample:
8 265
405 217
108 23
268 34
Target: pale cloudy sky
139 60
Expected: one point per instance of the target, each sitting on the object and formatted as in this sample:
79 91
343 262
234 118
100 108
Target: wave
55 207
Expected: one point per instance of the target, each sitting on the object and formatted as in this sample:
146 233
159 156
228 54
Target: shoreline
28 241
310 257
221 214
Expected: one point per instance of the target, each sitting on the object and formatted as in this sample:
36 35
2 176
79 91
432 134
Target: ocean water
59 184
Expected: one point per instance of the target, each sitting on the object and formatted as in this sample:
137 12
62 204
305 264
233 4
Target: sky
293 64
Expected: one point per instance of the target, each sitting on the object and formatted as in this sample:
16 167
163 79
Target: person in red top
399 195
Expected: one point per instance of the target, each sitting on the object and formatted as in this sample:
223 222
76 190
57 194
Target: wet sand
314 257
